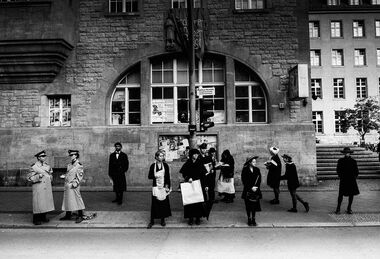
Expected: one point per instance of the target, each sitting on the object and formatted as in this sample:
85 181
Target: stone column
230 91
145 92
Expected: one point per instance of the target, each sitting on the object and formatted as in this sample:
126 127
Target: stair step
334 177
360 172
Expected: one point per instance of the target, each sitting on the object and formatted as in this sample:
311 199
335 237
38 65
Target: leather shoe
249 222
79 220
337 211
307 208
190 222
292 210
274 201
163 223
349 211
65 218
150 225
37 222
254 224
197 221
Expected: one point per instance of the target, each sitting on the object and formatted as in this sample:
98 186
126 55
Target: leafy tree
364 117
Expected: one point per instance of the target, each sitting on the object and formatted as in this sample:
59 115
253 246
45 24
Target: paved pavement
16 209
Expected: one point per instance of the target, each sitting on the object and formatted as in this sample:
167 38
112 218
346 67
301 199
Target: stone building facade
99 74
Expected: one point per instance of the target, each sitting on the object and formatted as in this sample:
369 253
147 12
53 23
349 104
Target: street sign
205 91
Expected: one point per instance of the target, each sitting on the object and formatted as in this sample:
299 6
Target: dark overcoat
195 171
160 209
227 171
274 172
347 170
117 169
291 176
249 179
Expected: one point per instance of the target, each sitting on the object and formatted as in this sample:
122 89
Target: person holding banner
191 171
159 173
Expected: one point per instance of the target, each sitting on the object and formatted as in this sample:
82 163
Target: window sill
122 14
359 66
337 66
242 11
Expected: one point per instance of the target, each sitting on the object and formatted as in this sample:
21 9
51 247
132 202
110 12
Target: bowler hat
347 150
287 157
193 151
212 150
73 152
41 153
203 146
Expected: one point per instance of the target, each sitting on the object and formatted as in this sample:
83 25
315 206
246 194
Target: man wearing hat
207 161
347 170
292 178
41 175
72 199
274 173
117 168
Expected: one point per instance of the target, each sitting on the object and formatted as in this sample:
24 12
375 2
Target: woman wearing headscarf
226 178
193 170
159 173
251 179
274 174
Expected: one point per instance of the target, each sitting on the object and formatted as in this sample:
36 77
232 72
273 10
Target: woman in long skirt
251 178
192 170
159 173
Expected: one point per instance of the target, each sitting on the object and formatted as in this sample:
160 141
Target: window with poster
60 110
170 87
177 147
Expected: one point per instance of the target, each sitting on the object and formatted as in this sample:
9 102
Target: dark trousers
250 209
340 199
119 196
295 197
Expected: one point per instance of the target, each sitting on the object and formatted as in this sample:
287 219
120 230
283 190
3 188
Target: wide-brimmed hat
249 159
346 150
212 150
274 150
286 156
193 151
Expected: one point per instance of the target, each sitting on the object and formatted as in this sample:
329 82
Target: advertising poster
162 110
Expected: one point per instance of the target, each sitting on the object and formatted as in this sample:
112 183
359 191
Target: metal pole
191 57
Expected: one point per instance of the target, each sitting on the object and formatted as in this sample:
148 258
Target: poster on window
162 110
177 147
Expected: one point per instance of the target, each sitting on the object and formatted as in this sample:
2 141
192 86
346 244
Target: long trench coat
42 192
347 170
72 199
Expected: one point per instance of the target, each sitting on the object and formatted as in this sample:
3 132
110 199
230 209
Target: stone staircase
328 155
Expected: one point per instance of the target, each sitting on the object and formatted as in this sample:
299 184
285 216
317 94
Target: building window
359 57
249 4
250 102
125 106
354 2
170 100
336 29
316 88
378 56
337 57
183 4
338 123
314 29
60 111
361 87
375 2
315 57
123 6
333 2
377 28
318 121
358 28
338 85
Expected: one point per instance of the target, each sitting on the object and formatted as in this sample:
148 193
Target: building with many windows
84 74
345 62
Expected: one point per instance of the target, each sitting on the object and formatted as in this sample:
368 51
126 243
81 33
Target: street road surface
247 243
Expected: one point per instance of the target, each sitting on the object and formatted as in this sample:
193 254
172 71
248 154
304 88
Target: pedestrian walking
293 183
207 161
41 175
225 185
72 198
274 173
347 170
117 168
159 173
251 179
192 170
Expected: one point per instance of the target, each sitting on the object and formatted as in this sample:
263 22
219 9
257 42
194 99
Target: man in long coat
118 167
347 170
274 174
40 176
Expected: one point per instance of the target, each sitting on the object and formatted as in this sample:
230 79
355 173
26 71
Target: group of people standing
202 165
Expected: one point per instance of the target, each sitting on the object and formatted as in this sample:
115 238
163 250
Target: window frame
356 29
316 89
315 57
339 88
360 58
318 122
337 57
314 29
337 121
377 28
361 89
378 56
334 29
60 109
252 5
124 6
333 2
197 4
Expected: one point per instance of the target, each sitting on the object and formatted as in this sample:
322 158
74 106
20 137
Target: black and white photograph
190 129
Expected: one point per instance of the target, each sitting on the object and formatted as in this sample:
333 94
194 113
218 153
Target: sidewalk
16 209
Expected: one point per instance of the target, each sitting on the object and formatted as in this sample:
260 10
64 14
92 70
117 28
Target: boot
254 224
67 216
306 205
249 222
163 223
150 225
